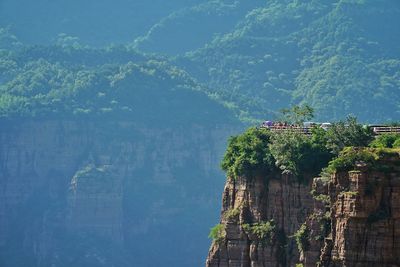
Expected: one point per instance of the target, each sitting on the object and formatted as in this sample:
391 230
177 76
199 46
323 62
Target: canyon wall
78 193
277 197
348 219
365 217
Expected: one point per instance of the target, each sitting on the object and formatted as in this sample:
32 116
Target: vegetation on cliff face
302 237
248 154
390 140
351 158
217 233
264 231
261 151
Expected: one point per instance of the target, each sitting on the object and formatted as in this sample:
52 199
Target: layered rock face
365 215
350 219
248 202
76 193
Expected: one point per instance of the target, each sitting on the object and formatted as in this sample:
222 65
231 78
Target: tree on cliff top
248 154
259 151
348 133
297 114
298 154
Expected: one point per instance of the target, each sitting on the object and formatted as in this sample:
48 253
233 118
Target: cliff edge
258 215
348 217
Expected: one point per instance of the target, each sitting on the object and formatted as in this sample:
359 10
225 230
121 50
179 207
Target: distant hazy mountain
107 158
95 22
340 57
256 56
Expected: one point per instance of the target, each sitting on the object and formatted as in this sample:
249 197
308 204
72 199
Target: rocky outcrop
107 193
350 219
365 215
247 202
356 218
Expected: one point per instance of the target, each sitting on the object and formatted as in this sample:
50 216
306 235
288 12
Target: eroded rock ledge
348 219
279 199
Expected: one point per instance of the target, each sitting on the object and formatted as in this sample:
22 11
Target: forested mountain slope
70 81
104 158
192 27
140 127
95 22
338 56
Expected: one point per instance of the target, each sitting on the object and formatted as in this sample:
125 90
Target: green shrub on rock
389 140
264 231
350 157
217 233
248 154
302 237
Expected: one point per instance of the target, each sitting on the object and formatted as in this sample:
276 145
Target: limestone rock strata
106 193
365 220
248 201
350 219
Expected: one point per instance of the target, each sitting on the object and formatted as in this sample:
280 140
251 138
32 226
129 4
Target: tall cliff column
258 216
365 214
356 217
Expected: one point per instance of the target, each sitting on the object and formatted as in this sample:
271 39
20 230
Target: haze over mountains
193 72
254 56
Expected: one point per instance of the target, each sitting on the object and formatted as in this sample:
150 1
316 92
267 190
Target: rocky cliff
106 193
365 216
350 218
249 205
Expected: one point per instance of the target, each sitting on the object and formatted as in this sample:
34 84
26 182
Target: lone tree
297 114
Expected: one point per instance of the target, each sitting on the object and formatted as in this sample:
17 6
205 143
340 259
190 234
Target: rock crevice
350 219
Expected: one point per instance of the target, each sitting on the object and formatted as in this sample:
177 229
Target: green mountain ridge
339 58
114 83
192 27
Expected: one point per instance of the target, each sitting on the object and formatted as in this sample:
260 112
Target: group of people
279 125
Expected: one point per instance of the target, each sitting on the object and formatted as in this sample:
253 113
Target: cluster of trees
259 151
339 56
70 80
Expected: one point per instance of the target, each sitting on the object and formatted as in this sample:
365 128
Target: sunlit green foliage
248 154
232 214
217 233
298 154
347 133
350 156
261 151
302 237
390 140
298 114
264 231
340 57
73 81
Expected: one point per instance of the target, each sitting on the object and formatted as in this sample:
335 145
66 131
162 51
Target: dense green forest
198 62
74 81
341 57
259 151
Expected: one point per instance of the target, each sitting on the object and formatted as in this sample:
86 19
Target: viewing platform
307 130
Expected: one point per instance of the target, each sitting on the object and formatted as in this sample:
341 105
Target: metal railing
378 130
383 130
